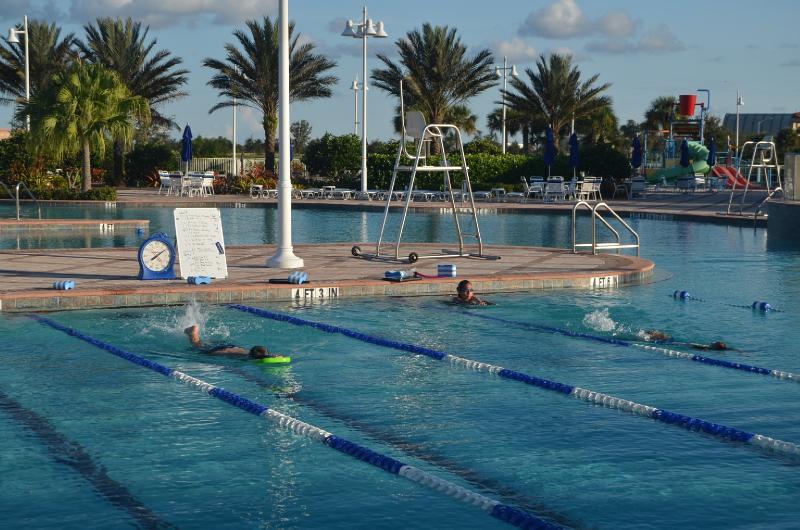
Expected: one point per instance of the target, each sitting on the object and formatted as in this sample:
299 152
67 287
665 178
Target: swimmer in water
654 335
225 350
465 295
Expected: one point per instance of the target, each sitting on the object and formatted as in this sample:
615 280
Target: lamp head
740 101
514 72
354 86
381 34
349 30
497 72
12 36
369 29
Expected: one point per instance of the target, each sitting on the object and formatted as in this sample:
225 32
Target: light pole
13 38
364 30
739 103
355 88
503 73
758 124
234 171
284 257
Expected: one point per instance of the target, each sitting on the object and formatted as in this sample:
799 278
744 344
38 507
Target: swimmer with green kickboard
259 354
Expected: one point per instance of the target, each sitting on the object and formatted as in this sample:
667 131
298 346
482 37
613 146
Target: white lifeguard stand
764 157
421 134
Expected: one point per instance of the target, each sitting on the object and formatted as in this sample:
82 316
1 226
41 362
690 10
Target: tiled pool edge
265 292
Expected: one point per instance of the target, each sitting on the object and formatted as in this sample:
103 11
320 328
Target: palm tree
515 122
84 107
251 75
438 75
658 114
122 46
48 55
556 92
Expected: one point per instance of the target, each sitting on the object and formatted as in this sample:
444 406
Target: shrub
336 158
483 145
63 194
255 174
144 161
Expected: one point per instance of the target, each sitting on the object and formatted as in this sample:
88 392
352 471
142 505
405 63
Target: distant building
5 134
766 124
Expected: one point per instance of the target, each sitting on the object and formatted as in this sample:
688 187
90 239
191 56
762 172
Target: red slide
731 175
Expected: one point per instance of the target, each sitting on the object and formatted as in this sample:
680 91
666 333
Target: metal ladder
767 159
594 245
413 125
15 196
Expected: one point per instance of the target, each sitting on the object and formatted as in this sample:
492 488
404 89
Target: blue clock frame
146 273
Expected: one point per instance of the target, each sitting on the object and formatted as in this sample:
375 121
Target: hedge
63 194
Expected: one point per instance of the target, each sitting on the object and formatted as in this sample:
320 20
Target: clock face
156 255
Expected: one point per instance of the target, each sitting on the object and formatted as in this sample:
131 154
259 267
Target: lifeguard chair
420 135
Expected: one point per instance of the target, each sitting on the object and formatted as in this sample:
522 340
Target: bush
483 145
337 158
62 194
255 174
144 161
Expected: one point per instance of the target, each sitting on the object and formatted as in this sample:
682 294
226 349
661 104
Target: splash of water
193 313
600 320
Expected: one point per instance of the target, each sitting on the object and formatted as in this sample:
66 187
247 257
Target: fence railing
222 165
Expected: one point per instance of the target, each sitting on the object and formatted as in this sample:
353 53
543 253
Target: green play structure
698 156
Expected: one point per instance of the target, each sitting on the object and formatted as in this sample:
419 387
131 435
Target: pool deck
104 225
106 278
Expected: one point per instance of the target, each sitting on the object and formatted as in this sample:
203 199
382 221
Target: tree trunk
87 166
526 146
119 164
270 123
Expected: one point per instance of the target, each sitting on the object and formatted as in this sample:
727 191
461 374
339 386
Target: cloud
617 24
792 62
517 50
337 25
12 11
660 40
560 20
160 13
717 59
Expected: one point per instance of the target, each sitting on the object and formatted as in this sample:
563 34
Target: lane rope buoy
496 509
722 363
771 445
764 307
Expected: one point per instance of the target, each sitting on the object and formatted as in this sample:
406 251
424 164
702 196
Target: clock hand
157 255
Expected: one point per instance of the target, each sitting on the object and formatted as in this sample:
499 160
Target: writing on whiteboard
201 246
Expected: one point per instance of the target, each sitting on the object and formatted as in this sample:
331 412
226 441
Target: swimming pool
94 441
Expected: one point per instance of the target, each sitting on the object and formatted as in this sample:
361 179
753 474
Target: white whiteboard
201 247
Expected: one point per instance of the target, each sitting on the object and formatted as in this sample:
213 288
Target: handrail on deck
30 194
595 217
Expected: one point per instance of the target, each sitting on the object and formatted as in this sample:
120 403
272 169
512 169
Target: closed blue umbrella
636 156
685 153
574 159
549 149
186 146
712 152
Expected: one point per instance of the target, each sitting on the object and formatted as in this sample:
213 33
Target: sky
644 49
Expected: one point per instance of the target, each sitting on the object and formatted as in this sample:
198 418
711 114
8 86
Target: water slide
731 175
698 155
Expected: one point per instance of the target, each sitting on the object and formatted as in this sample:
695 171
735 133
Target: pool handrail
30 194
595 217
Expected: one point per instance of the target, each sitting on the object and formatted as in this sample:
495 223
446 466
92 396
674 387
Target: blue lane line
72 454
503 512
780 374
673 418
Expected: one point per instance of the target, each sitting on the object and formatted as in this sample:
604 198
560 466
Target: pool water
91 440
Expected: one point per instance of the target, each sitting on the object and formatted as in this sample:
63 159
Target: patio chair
553 191
163 182
638 187
208 184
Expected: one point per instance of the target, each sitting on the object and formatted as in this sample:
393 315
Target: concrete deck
9 225
107 277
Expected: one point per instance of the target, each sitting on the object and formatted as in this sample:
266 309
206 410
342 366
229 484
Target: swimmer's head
719 345
655 335
258 352
464 290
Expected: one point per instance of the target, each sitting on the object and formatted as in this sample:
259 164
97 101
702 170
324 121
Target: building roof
769 123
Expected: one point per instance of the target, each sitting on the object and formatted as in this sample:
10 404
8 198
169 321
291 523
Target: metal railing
594 245
30 194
